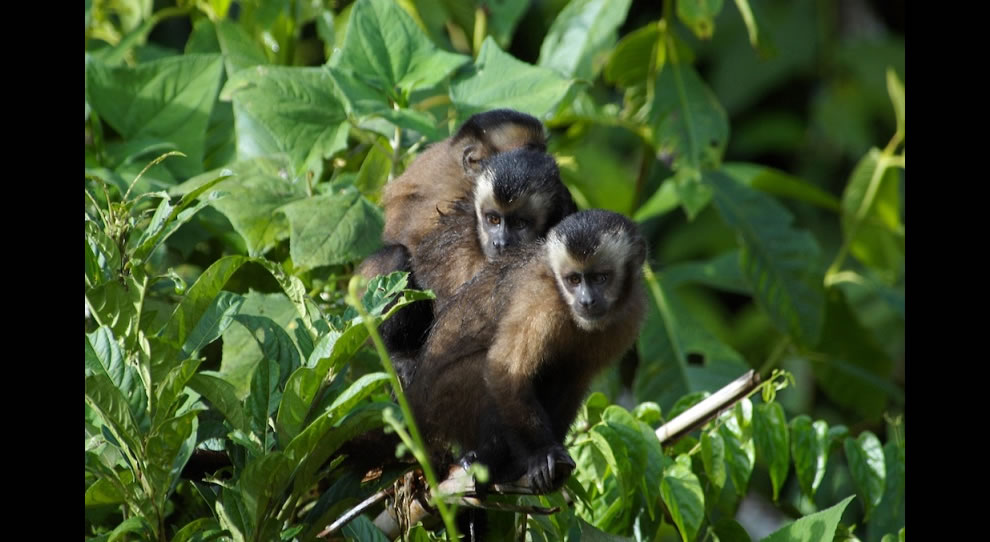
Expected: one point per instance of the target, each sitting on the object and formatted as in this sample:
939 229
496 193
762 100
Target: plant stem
418 450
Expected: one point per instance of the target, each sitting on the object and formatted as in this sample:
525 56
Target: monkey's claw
549 469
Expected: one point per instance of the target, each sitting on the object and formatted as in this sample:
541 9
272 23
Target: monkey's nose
587 302
499 244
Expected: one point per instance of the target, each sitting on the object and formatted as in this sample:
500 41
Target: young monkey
512 353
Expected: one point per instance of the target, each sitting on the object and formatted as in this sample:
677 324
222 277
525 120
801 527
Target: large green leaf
240 50
683 496
581 36
497 79
105 357
856 371
778 183
297 402
223 397
819 527
315 444
867 467
713 458
688 124
259 187
261 485
626 66
809 447
888 516
772 442
275 343
198 300
263 399
386 50
871 213
241 349
289 110
782 264
170 99
168 449
214 322
333 229
117 305
107 400
740 452
670 334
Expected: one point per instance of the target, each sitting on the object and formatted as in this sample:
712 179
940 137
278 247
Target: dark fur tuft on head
480 124
582 233
523 172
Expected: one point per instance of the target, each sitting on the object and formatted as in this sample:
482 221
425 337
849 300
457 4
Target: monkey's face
506 224
591 253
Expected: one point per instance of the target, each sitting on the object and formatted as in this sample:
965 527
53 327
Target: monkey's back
450 255
411 200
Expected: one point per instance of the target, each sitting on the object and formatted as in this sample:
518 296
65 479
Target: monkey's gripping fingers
466 460
549 468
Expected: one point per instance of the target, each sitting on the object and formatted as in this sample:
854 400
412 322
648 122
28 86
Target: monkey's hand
549 468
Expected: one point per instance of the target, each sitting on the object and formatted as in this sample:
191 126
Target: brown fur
505 367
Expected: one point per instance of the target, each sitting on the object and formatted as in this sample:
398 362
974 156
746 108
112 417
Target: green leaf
233 514
102 256
241 349
275 343
866 465
289 110
240 50
356 392
199 530
132 525
375 169
198 299
889 514
713 458
380 292
683 496
871 213
257 190
896 91
809 447
772 442
687 122
721 272
167 219
333 229
386 50
740 451
223 397
699 16
856 372
819 526
729 530
782 264
213 323
169 99
171 388
497 79
778 183
669 335
262 483
167 451
324 436
362 528
104 358
626 66
117 304
103 492
581 36
263 399
297 401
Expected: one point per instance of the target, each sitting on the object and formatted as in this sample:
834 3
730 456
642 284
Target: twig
708 408
353 513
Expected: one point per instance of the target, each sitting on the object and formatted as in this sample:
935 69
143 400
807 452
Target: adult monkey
513 352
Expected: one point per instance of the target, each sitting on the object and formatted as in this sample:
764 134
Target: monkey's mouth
591 314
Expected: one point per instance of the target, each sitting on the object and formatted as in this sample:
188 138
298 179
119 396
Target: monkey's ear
471 159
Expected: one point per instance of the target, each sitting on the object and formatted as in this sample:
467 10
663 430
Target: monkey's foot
549 468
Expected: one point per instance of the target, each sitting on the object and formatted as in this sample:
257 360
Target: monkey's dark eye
493 219
599 278
574 279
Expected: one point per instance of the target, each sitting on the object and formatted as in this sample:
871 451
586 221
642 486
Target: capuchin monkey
518 197
512 353
432 207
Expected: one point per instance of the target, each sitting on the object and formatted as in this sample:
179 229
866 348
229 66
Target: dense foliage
235 157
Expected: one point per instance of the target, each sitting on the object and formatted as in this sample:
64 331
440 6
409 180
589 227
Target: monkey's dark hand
549 468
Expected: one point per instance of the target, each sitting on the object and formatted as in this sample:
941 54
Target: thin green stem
354 300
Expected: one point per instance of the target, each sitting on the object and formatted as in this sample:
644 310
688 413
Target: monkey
512 353
435 185
446 171
518 196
